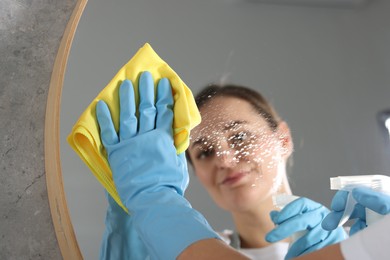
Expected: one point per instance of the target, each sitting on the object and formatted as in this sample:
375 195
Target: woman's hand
365 198
303 215
148 174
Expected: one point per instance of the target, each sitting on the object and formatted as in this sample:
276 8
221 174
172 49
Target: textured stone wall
30 34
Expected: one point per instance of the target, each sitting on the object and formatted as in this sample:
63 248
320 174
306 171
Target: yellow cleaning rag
85 138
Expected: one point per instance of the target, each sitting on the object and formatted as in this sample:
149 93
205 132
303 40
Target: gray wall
30 33
325 69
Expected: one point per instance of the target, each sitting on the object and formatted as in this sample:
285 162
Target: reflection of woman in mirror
239 153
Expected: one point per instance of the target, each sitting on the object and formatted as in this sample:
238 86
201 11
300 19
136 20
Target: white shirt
371 243
275 251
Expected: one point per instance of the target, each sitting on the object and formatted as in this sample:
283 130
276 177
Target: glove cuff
170 227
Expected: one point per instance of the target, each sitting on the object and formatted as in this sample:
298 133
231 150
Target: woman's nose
225 156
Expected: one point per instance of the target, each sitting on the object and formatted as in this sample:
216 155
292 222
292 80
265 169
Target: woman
239 153
240 157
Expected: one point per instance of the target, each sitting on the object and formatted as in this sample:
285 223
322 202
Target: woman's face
236 155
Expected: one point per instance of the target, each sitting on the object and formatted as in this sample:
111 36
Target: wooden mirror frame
58 207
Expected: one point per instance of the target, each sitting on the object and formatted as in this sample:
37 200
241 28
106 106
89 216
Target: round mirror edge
62 223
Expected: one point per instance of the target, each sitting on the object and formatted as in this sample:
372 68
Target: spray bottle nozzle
375 182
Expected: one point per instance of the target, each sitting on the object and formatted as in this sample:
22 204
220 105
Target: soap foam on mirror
242 143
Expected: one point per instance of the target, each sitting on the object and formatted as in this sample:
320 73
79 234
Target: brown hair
258 102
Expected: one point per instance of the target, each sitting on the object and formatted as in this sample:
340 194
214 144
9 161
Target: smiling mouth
234 178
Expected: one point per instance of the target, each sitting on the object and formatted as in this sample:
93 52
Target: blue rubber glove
148 174
120 239
365 198
299 215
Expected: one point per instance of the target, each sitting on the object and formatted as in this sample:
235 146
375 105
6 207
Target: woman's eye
205 153
239 137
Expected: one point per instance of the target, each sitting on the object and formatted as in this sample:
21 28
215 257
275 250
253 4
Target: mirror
324 67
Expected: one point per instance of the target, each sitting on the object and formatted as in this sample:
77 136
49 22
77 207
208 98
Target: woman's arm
148 174
211 249
330 252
